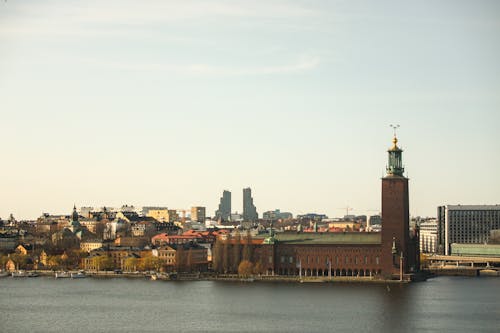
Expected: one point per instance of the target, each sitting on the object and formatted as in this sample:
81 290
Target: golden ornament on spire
395 143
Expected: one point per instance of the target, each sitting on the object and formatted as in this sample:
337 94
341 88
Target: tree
54 262
225 255
245 268
247 247
179 258
189 261
258 268
130 264
103 263
3 260
20 260
151 263
217 256
75 257
236 252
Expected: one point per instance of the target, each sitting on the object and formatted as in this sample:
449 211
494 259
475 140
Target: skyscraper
224 211
249 209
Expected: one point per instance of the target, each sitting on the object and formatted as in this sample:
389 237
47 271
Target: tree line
236 255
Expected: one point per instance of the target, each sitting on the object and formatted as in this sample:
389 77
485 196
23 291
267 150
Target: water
445 304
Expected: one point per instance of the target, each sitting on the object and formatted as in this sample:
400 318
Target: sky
104 103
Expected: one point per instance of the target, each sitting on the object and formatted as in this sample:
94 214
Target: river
443 304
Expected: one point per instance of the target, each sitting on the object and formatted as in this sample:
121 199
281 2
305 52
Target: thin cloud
63 18
302 65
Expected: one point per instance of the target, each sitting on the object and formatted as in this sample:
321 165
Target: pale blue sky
171 102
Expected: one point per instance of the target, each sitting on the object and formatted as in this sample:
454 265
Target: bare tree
247 247
217 253
225 255
189 261
236 255
179 258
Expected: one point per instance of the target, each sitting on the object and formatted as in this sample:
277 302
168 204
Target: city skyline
171 103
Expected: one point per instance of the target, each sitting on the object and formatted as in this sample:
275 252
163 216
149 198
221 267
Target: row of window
309 259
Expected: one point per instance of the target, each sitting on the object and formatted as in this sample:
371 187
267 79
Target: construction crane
347 209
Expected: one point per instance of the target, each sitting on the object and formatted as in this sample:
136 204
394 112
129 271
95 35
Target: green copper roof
395 165
328 238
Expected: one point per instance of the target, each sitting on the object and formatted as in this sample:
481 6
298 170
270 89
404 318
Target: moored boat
33 274
61 275
19 274
489 272
4 273
79 275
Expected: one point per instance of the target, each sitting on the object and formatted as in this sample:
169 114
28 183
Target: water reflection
120 305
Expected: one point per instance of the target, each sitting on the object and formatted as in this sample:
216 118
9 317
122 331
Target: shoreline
423 276
235 278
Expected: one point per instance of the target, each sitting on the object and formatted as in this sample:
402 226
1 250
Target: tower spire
395 164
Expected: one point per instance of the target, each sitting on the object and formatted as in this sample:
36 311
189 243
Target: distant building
127 209
429 236
466 224
86 211
312 216
236 217
224 211
249 209
276 215
163 215
146 209
90 245
198 214
373 220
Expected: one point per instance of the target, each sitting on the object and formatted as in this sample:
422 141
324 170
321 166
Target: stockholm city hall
390 254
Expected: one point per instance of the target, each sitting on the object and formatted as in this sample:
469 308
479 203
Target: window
270 259
282 259
377 260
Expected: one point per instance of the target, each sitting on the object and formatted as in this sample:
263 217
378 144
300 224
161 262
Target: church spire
395 164
75 214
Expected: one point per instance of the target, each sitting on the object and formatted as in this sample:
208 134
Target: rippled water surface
125 305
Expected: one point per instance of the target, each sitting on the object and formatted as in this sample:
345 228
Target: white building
429 236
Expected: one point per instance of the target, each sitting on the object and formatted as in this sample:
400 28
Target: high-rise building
198 214
224 211
249 209
466 224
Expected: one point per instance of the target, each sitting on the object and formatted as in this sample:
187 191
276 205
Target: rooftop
473 207
329 238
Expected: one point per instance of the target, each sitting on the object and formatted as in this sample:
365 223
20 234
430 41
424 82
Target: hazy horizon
169 103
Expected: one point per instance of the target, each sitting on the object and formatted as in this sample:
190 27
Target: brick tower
396 244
